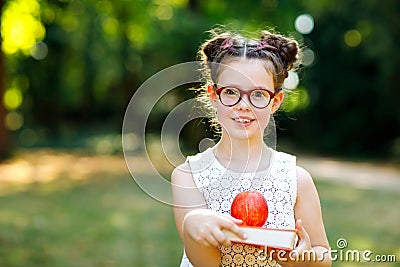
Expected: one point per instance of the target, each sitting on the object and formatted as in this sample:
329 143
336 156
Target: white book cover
276 238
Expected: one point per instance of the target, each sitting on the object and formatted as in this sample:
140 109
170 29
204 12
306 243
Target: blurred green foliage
73 63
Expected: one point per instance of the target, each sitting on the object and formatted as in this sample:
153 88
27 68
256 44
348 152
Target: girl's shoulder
184 190
304 179
181 174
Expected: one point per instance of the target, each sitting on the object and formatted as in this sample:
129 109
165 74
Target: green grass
109 221
105 221
367 219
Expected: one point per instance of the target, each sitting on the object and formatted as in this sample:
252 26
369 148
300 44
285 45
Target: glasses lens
260 98
229 96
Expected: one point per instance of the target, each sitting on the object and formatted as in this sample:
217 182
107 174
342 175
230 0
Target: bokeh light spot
21 27
304 24
12 98
164 12
110 26
39 51
308 57
206 143
292 81
352 38
14 120
136 35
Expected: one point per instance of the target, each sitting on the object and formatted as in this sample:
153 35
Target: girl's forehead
246 71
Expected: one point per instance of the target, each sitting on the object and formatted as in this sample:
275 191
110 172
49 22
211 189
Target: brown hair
280 54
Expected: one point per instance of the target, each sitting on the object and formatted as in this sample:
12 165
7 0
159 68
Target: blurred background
68 69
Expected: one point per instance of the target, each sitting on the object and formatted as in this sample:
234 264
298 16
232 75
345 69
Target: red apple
250 207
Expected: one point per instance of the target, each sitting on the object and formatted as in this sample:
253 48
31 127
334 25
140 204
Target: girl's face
243 120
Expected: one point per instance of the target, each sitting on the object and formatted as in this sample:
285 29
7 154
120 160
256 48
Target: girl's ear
276 101
211 92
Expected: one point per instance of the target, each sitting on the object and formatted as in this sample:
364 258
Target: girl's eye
258 94
231 91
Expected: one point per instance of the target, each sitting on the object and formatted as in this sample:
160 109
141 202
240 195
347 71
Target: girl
244 90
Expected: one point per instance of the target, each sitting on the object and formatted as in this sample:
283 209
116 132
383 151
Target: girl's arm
198 227
313 246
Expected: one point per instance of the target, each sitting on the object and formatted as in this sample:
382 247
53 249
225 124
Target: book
275 238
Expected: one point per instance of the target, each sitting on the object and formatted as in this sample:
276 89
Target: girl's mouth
243 121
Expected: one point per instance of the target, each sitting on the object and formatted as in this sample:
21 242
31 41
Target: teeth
243 120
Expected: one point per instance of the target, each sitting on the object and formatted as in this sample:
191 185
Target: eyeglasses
230 96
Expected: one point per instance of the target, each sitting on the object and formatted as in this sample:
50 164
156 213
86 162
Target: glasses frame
248 93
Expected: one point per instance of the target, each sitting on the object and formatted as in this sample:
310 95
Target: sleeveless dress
219 186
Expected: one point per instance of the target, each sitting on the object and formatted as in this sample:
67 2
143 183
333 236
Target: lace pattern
219 186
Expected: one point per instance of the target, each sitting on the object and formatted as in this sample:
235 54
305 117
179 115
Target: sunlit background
69 63
68 69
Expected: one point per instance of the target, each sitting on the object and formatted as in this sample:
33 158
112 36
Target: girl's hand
301 253
205 227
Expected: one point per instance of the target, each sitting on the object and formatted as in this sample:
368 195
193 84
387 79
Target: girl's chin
244 135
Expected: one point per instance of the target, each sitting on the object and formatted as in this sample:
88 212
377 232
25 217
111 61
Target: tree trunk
5 144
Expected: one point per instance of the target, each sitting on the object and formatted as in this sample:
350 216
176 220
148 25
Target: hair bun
287 48
212 48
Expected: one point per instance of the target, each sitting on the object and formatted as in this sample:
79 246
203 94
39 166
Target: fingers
212 240
235 220
304 242
300 229
221 238
231 224
207 238
205 227
217 237
299 223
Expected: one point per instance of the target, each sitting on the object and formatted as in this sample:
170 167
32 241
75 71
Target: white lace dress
219 186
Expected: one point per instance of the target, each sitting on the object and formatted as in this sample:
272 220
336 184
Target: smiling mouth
242 120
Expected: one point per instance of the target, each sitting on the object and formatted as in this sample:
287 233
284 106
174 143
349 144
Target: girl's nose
244 103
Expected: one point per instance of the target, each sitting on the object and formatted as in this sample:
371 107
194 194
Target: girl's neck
243 155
